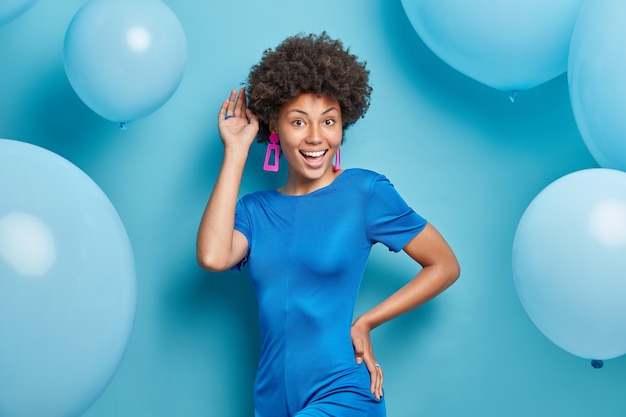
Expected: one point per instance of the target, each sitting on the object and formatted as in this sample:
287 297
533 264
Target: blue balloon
508 45
569 262
596 69
67 285
11 9
125 58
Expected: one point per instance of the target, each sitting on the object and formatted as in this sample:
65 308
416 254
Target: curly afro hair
307 63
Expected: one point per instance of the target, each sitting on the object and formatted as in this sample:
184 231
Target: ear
272 126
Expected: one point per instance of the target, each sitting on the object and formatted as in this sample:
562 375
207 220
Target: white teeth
314 154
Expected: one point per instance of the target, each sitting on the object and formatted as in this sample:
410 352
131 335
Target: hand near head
363 352
236 123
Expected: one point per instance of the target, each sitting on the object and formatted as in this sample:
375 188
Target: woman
306 243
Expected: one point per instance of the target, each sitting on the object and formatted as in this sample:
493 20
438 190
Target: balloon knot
513 95
122 126
597 364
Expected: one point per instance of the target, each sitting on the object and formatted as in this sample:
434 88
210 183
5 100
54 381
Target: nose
315 136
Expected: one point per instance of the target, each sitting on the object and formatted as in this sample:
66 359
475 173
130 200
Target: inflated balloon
67 285
125 58
11 9
508 45
597 65
569 265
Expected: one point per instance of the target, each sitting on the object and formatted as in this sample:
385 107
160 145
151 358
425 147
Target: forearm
440 269
215 235
427 284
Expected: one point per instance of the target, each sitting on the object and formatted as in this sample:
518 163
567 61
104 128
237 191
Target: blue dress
306 259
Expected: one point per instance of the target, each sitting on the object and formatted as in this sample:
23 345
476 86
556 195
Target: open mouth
314 155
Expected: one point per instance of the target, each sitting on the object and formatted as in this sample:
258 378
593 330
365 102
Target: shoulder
363 176
362 173
256 198
366 179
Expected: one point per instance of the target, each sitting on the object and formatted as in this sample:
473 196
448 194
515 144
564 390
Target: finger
240 106
377 381
222 113
358 352
380 381
230 109
374 380
252 118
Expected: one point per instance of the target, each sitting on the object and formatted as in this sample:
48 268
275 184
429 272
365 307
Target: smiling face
310 133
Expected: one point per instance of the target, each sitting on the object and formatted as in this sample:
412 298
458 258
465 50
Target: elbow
448 270
454 271
209 263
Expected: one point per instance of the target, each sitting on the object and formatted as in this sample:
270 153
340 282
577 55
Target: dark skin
310 130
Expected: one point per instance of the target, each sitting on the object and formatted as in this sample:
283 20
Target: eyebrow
305 113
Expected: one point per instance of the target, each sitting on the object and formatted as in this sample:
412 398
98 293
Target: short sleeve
389 218
242 223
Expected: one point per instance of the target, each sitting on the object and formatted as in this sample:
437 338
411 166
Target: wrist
364 322
236 152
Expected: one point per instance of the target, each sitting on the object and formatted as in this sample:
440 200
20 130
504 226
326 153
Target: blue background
461 154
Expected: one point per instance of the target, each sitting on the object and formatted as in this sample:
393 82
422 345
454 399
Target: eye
329 122
297 122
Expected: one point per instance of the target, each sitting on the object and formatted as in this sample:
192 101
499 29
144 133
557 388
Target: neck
297 186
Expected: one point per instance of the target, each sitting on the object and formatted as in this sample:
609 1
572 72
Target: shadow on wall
217 314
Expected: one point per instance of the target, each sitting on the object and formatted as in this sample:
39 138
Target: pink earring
274 148
337 166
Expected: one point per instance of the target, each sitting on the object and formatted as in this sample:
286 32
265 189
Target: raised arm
219 246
